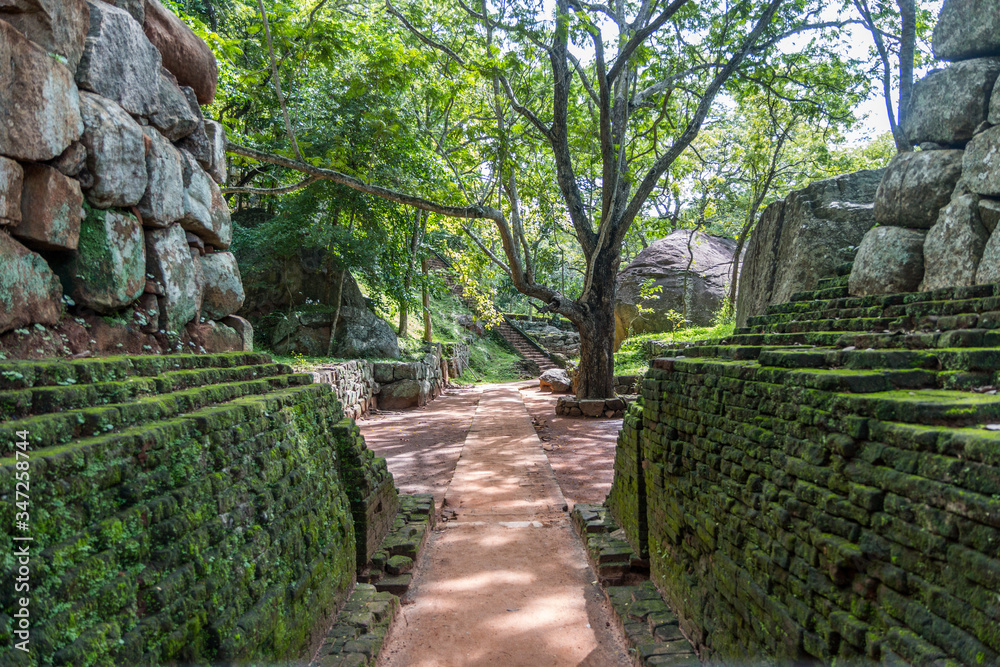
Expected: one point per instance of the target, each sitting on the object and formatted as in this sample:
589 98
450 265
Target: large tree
607 95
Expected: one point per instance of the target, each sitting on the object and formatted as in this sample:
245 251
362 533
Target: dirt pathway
505 582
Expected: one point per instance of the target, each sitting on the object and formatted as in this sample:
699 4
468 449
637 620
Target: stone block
949 104
168 260
889 260
206 212
185 54
981 163
108 269
58 26
175 118
217 166
51 209
119 62
223 294
966 29
955 245
592 407
116 153
988 270
243 328
29 290
11 183
72 161
39 103
163 201
916 186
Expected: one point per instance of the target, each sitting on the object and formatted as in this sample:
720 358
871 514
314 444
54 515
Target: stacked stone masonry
825 483
937 208
184 509
109 178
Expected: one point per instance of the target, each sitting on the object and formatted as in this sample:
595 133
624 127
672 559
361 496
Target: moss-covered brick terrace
184 508
825 483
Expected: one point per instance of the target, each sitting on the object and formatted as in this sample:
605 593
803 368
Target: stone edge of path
361 627
650 627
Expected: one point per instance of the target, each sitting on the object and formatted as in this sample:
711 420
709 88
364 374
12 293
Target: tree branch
640 36
272 191
277 80
421 36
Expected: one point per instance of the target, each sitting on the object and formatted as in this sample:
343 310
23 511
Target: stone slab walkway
505 581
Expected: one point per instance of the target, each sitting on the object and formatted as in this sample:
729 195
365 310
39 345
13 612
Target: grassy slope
631 359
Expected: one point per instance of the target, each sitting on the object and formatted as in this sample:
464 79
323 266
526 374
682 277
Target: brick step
42 399
820 294
59 428
25 374
829 283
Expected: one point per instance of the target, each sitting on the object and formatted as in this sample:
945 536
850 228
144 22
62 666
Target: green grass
632 359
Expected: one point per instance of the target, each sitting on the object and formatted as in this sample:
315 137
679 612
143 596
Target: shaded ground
581 450
504 581
422 445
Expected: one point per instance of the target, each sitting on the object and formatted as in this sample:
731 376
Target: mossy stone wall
176 520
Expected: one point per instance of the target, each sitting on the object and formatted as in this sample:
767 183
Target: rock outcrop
954 194
97 199
692 270
802 239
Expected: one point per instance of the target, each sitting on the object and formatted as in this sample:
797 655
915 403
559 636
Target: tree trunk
415 239
337 299
403 324
595 377
426 297
907 48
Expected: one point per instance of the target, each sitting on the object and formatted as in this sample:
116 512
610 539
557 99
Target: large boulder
988 270
185 54
108 269
58 26
967 29
404 394
803 239
889 260
39 102
169 262
163 201
916 186
949 104
955 245
51 209
29 290
360 332
692 270
116 154
119 62
223 293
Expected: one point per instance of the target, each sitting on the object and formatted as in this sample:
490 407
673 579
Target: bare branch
520 108
272 191
806 27
658 87
640 36
421 36
583 78
277 80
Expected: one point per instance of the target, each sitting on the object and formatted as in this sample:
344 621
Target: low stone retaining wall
392 385
354 384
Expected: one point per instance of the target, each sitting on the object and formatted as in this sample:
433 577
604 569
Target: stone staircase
525 347
182 508
839 460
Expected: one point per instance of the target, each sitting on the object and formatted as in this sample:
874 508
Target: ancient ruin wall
110 206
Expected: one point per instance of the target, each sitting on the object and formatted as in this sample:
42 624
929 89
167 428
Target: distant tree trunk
337 299
415 239
907 48
426 296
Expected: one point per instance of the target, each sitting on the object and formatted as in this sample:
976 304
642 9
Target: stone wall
938 207
354 384
824 484
184 509
553 339
109 184
364 385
